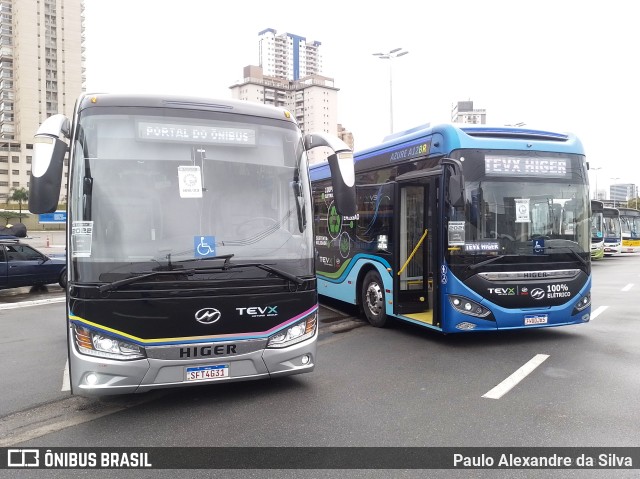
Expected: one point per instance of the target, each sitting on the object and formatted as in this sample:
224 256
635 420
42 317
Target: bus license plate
202 373
536 319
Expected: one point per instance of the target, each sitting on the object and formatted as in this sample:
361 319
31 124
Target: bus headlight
466 306
581 305
101 345
300 331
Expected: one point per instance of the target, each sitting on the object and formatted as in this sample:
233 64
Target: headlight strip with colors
296 333
101 345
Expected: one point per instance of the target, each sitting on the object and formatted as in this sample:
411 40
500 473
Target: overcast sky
568 65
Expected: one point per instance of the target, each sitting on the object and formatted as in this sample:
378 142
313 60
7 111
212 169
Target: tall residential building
312 98
41 73
288 56
463 112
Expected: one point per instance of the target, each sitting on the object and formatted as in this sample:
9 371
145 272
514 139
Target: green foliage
7 216
634 203
19 195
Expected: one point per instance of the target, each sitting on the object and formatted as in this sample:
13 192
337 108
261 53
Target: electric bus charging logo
345 245
334 221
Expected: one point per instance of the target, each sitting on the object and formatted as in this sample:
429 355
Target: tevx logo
258 311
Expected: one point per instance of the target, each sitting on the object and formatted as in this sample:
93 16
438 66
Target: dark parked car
23 265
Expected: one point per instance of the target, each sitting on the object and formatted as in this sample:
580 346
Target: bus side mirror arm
455 190
47 165
342 170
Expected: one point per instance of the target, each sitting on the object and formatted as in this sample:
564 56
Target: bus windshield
156 187
612 226
597 226
516 202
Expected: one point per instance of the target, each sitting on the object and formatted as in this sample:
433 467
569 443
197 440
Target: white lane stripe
628 287
509 383
598 312
24 304
66 384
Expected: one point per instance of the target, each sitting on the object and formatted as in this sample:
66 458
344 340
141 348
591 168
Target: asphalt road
398 386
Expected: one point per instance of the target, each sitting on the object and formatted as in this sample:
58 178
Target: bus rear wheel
372 299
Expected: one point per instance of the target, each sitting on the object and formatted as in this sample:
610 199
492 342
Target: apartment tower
289 77
41 74
288 56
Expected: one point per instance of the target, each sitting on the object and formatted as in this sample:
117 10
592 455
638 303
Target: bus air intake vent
514 134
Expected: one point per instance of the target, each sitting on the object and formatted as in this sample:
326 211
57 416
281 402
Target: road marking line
598 312
66 383
37 302
509 383
628 287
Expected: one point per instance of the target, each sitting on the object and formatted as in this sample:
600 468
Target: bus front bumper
93 376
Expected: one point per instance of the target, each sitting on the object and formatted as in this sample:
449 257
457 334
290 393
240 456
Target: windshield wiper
171 271
204 269
582 260
144 275
270 269
225 257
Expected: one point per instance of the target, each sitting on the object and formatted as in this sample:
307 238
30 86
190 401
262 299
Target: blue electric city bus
461 228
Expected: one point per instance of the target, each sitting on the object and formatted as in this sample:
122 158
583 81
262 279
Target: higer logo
258 311
537 293
208 315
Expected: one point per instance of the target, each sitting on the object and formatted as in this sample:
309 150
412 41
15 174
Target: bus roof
628 211
89 100
611 212
441 140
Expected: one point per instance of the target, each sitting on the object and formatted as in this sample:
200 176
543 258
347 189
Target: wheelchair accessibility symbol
204 246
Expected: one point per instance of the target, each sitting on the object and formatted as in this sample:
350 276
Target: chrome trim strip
530 275
212 350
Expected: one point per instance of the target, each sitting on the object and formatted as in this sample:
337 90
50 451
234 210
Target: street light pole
596 168
390 55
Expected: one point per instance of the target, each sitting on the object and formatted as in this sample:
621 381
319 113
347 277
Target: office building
41 73
622 192
463 112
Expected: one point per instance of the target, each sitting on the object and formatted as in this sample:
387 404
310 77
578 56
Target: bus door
415 254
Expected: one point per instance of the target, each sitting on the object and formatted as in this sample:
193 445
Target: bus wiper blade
184 272
225 257
582 260
132 279
270 269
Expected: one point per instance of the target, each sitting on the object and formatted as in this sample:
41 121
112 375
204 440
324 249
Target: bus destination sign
195 133
518 166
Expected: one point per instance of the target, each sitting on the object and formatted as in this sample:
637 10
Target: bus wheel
373 301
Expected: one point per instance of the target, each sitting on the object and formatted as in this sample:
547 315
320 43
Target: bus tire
373 300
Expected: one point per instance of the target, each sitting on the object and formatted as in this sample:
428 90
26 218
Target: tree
20 195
